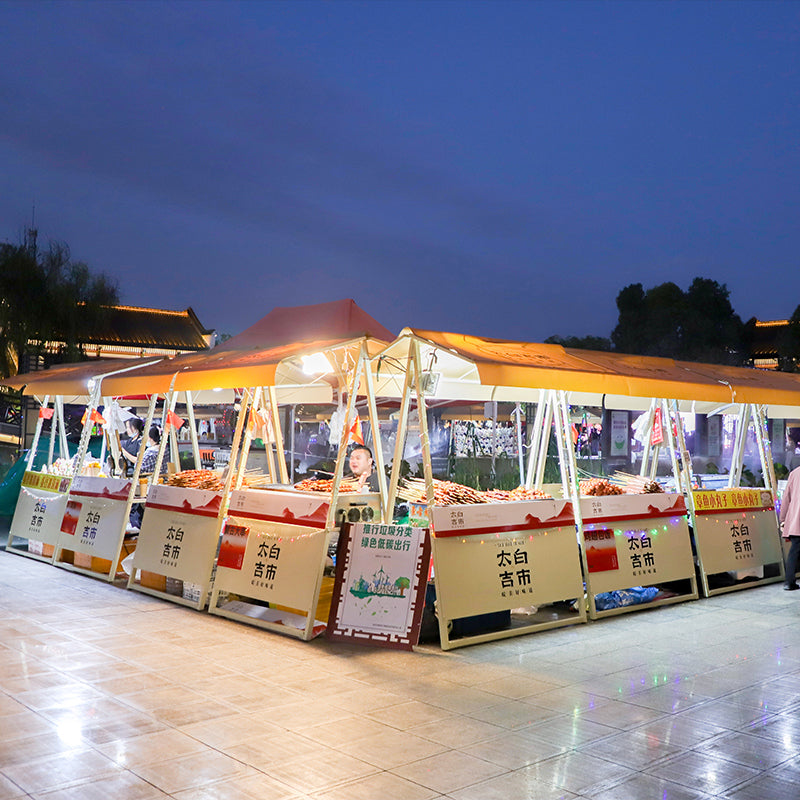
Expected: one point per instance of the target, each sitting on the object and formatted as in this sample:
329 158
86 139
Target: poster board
38 515
736 530
272 552
496 557
381 579
94 520
637 540
178 540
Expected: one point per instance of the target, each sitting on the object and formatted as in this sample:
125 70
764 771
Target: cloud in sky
502 169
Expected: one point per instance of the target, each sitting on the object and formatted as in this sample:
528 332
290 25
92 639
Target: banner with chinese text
94 517
736 529
499 556
40 507
261 557
635 540
179 533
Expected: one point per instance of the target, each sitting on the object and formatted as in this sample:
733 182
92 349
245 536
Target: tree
47 298
697 325
402 584
712 331
788 344
632 318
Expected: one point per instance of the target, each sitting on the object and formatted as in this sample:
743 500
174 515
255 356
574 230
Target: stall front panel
492 558
736 532
271 560
38 515
632 542
94 520
178 542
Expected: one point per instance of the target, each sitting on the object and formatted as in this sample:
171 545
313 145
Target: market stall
70 508
307 354
430 366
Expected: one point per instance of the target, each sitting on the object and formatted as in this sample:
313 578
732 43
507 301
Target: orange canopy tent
256 356
466 363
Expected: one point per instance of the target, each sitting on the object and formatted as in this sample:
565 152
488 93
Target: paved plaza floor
108 694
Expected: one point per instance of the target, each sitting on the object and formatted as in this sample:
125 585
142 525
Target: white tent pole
520 456
676 470
422 412
651 414
764 448
277 434
37 434
535 438
544 441
743 423
349 418
375 427
63 446
83 445
247 440
685 457
400 436
193 430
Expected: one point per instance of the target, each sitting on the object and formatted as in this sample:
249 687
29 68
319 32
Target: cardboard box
152 580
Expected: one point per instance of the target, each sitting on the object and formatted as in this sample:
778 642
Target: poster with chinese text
381 577
736 529
179 533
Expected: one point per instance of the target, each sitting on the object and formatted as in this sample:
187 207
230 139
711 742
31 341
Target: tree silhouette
697 325
47 298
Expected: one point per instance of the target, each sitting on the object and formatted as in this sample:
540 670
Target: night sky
496 168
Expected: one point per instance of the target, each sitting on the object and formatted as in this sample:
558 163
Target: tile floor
109 694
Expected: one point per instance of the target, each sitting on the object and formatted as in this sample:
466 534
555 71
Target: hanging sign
620 433
736 529
179 533
657 436
40 507
498 556
381 578
94 516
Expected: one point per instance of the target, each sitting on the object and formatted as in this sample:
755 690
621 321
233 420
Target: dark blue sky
498 168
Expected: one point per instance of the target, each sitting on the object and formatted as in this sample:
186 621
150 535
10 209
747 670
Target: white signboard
40 507
179 533
620 433
268 561
94 517
635 540
736 529
499 556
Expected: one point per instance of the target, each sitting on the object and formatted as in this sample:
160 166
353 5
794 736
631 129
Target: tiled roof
765 337
130 326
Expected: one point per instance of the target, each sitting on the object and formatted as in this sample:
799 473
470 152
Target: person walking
790 527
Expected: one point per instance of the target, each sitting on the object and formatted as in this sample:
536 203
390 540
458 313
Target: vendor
362 468
130 446
151 453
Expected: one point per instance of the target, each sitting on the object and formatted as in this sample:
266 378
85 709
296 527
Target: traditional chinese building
773 344
132 332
